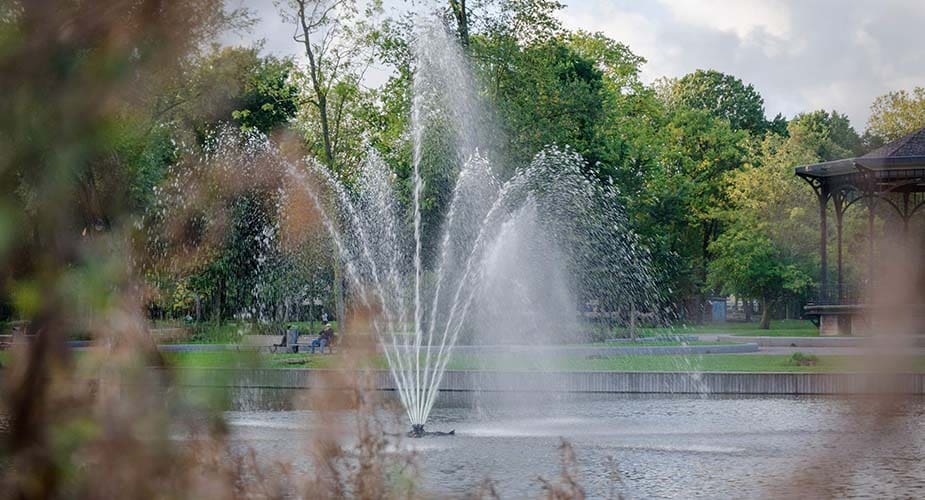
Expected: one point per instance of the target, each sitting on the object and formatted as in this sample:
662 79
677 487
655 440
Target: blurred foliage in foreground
83 87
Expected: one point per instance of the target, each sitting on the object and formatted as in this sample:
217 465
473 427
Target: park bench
291 344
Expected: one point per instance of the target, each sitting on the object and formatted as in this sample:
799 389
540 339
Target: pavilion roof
903 154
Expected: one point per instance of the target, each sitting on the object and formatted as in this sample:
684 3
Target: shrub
800 359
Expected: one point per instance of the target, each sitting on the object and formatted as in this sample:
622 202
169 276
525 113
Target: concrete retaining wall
483 351
582 382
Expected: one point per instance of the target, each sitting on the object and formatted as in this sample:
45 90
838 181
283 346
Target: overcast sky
800 54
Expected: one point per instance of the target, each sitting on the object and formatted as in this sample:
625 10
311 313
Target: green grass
643 363
779 328
647 363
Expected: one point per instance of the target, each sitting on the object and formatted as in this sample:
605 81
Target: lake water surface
649 447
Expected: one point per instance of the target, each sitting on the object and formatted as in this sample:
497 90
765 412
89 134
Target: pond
644 446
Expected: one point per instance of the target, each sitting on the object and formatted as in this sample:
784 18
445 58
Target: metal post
823 195
870 241
838 231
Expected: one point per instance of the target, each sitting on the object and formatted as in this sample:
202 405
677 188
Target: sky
801 55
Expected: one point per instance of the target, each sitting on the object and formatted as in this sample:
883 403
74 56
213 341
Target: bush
800 359
213 333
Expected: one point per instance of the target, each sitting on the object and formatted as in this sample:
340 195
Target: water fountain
548 212
512 261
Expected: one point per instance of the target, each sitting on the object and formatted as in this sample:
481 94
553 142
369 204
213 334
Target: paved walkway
825 346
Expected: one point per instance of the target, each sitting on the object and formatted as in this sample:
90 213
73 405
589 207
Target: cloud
742 17
800 55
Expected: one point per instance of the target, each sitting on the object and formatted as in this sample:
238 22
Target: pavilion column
823 195
870 240
839 213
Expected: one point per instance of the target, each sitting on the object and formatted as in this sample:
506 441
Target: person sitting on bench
324 338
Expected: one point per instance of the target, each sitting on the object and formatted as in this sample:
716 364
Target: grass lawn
779 328
247 359
644 363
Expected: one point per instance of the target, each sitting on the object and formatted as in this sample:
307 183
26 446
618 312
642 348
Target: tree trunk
321 94
633 321
339 294
765 314
462 21
747 304
220 299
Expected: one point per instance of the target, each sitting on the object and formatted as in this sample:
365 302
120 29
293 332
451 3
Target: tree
770 206
72 75
235 84
687 195
896 114
550 95
748 264
461 15
724 96
332 38
269 98
829 135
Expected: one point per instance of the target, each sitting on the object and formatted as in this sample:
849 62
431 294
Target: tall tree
699 151
724 96
461 16
748 264
828 134
896 114
331 35
770 251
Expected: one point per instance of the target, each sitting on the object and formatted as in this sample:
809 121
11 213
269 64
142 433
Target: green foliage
896 114
828 135
724 96
218 333
800 359
747 264
684 196
236 84
542 89
269 97
701 170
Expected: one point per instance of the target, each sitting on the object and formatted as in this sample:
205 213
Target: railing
846 294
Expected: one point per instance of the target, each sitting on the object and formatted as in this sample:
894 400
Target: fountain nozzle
417 431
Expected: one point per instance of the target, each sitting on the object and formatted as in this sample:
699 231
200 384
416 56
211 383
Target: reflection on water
682 447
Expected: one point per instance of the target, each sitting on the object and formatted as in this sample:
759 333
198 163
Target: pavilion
894 175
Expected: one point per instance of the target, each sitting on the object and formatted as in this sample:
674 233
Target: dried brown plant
567 486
